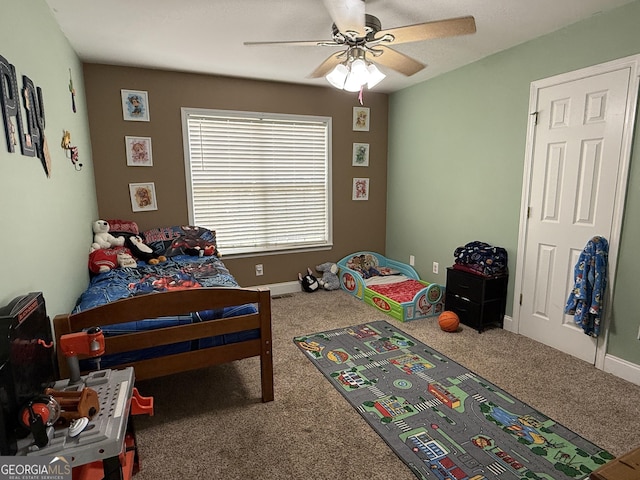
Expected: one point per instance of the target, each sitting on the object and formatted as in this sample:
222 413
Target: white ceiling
206 36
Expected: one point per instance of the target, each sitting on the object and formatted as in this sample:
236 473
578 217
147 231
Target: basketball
448 321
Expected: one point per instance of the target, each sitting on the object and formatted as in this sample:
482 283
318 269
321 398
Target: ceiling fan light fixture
353 74
359 33
359 71
352 83
338 76
375 76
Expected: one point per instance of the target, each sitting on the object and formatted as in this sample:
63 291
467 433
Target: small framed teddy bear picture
138 151
143 197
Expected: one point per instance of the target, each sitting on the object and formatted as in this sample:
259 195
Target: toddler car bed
182 314
391 286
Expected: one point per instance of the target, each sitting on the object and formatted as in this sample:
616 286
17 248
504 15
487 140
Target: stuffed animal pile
107 252
329 281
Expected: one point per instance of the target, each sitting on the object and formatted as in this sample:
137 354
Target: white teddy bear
102 238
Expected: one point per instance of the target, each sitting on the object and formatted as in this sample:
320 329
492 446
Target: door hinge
528 212
535 117
520 299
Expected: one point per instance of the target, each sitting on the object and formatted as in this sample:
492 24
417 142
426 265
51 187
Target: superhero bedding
391 286
180 271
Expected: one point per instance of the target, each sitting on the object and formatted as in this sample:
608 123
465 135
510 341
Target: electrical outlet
412 260
259 270
436 266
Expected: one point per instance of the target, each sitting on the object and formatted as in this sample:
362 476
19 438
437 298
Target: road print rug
442 420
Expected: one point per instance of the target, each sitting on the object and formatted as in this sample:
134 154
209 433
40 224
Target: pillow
123 228
176 240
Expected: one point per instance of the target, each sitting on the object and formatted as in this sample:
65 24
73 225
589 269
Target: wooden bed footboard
181 302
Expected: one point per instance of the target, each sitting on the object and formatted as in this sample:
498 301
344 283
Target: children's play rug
442 420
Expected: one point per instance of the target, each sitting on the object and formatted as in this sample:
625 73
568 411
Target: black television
27 362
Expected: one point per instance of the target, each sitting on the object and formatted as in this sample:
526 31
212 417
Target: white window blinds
261 181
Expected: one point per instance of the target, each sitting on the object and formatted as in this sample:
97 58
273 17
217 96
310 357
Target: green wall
456 158
45 222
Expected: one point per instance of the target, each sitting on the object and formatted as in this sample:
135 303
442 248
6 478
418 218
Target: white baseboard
282 288
622 368
508 324
616 366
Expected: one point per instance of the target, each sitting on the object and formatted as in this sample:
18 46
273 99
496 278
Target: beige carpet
211 424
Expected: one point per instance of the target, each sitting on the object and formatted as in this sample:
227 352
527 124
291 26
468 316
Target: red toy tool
89 343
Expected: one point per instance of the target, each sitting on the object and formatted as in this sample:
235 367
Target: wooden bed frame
181 302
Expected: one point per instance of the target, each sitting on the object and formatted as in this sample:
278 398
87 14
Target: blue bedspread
179 272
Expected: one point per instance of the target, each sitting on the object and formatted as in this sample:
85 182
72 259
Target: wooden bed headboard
181 302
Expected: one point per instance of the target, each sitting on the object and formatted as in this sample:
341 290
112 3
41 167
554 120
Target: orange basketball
448 321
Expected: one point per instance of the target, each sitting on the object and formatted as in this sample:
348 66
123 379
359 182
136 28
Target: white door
576 156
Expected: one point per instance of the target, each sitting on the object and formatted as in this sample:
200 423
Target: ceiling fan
362 38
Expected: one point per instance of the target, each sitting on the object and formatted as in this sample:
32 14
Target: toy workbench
106 447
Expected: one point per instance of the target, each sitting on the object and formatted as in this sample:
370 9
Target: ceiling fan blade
295 43
429 30
348 15
398 61
328 65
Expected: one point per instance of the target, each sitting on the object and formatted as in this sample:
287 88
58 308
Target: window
261 181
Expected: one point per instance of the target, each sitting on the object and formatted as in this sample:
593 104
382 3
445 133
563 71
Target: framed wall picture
143 197
360 155
360 189
361 119
135 105
138 151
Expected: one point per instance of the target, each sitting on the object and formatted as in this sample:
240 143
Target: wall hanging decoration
138 151
11 111
30 134
135 105
360 155
360 119
73 93
71 151
143 196
45 157
360 189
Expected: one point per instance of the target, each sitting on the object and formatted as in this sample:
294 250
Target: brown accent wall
357 225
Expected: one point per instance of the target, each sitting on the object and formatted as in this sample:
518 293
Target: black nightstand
478 301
